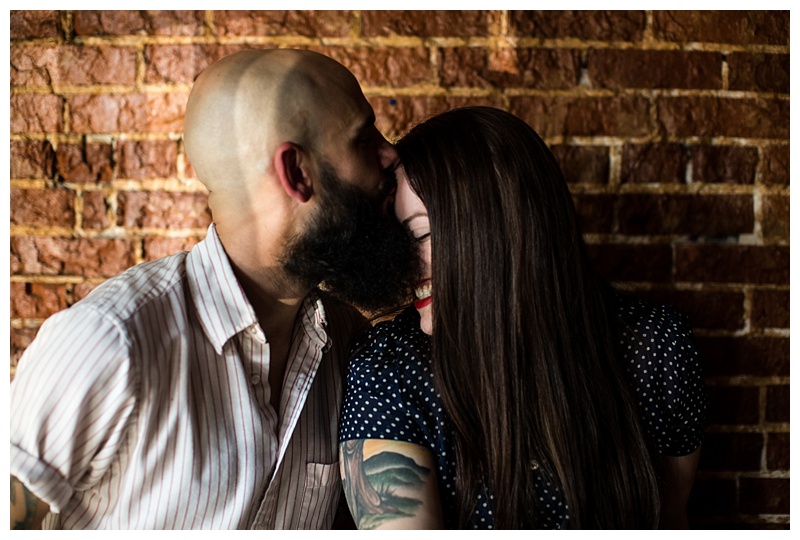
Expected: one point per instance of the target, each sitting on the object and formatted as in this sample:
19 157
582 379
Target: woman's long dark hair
523 350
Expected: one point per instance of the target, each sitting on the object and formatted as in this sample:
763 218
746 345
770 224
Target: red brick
37 300
729 263
626 116
758 72
707 309
610 68
32 159
764 495
156 248
596 212
582 164
42 207
67 64
654 163
775 165
421 23
396 115
733 405
95 210
85 162
110 113
379 66
778 451
163 210
775 217
81 290
34 24
130 22
281 23
739 27
183 63
770 309
707 215
724 164
731 452
87 257
740 356
21 339
777 404
632 262
36 113
148 159
593 25
549 69
712 497
688 116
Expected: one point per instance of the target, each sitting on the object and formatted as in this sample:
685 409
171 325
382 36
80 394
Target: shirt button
255 379
253 330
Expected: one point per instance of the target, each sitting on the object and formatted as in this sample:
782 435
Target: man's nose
387 155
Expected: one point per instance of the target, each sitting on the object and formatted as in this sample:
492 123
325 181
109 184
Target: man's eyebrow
413 216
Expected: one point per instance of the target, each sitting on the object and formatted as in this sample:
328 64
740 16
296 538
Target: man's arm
390 484
27 511
678 478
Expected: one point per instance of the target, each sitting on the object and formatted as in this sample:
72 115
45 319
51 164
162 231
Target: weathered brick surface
42 207
736 356
741 27
32 159
764 495
733 405
727 263
591 25
122 23
36 24
31 66
163 210
759 72
89 257
291 22
529 68
580 116
427 23
672 129
723 117
148 159
37 300
36 113
770 309
582 164
724 164
610 68
85 162
654 163
710 215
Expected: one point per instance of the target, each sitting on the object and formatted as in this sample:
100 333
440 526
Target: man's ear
291 166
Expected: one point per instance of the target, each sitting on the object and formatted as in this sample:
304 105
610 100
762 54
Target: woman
543 398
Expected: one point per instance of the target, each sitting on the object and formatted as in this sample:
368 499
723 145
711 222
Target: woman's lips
422 291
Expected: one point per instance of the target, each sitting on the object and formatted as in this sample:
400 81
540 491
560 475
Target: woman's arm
390 484
27 510
678 478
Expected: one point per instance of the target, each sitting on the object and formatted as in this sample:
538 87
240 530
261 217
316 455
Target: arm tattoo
371 485
20 495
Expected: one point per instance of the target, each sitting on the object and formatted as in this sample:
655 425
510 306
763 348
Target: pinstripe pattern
147 405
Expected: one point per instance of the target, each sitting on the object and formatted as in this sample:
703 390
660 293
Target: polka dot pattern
391 395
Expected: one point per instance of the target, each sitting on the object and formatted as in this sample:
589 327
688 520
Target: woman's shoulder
392 342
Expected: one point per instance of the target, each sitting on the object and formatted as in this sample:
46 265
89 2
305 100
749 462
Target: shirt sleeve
389 387
71 399
662 360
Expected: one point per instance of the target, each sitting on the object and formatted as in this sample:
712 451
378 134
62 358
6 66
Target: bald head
244 106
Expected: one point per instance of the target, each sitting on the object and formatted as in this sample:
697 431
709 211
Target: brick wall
672 128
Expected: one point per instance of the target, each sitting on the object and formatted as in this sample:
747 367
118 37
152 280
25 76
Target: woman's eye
421 239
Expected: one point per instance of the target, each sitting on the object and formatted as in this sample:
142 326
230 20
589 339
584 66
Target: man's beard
358 253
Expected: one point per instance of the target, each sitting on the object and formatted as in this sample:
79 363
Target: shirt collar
222 306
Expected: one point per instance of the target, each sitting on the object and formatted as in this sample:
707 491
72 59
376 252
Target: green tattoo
29 499
370 486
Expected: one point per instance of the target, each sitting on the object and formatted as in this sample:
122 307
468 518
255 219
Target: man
203 390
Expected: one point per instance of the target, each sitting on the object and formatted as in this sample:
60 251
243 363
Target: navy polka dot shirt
391 395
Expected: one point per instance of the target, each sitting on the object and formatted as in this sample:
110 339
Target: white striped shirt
147 405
